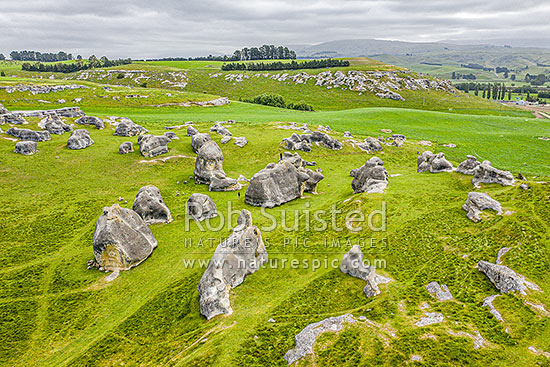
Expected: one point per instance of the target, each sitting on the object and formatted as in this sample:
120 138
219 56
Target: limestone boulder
433 163
91 121
12 118
153 145
171 135
26 147
191 130
372 177
241 254
240 141
370 145
220 129
468 166
126 147
295 142
201 207
128 128
54 125
352 264
209 168
122 239
505 279
79 139
441 292
478 201
29 135
485 173
198 140
150 206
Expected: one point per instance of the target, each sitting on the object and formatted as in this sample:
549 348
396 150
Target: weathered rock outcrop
441 292
372 177
296 142
303 142
121 239
128 128
3 110
150 206
307 337
352 264
238 256
485 173
201 207
488 302
505 279
79 139
12 118
240 141
191 130
209 168
91 121
153 145
126 147
29 135
478 201
171 135
198 140
468 166
434 163
26 147
220 129
54 125
282 182
370 145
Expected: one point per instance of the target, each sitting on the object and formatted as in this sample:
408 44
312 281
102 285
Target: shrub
120 76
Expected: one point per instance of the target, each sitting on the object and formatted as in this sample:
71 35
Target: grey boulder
370 145
220 129
372 177
191 130
478 201
241 254
171 135
441 292
128 128
29 135
505 279
54 125
468 166
198 140
433 163
201 207
122 239
485 173
12 118
79 139
240 141
150 206
126 147
26 147
282 182
209 168
153 145
91 121
352 264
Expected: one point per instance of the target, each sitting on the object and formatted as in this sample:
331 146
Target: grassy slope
55 312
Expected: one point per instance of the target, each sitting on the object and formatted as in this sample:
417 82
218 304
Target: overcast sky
160 28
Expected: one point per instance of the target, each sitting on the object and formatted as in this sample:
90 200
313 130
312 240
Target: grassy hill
55 312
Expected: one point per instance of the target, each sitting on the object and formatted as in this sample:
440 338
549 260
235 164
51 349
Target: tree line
293 65
499 91
93 62
39 56
276 100
265 52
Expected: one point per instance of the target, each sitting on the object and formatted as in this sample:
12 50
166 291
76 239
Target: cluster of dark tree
476 67
544 94
456 75
93 62
431 63
265 52
275 100
278 65
543 65
39 56
495 91
539 79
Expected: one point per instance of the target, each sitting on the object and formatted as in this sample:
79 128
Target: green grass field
54 312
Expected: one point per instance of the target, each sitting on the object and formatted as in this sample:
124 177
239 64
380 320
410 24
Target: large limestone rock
352 264
29 135
370 145
79 139
126 147
121 239
238 256
201 207
478 201
153 145
209 168
303 142
26 147
12 118
198 140
128 128
485 173
91 121
191 130
3 110
372 177
505 279
150 206
240 141
220 129
434 163
282 182
295 142
54 125
468 166
307 337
